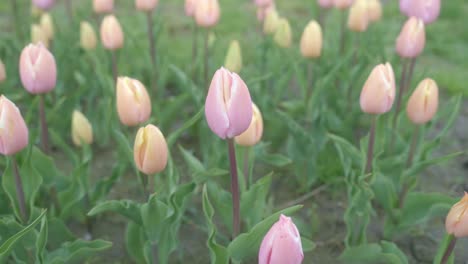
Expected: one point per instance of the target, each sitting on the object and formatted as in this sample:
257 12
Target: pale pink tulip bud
456 222
103 6
426 10
207 13
190 7
13 130
271 22
410 43
358 18
263 11
38 35
374 9
342 4
282 244
325 3
2 72
283 33
228 107
150 150
43 4
88 40
112 36
82 131
47 25
423 103
254 133
378 93
311 40
146 5
263 3
405 6
37 68
133 101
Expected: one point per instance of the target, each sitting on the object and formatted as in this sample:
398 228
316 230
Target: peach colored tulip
233 61
270 24
426 10
146 5
423 103
254 133
228 107
88 40
38 35
282 244
150 150
358 19
412 39
103 6
207 13
47 25
456 222
263 3
378 93
37 68
311 40
325 3
374 9
133 101
82 131
190 7
112 36
342 4
2 72
283 34
14 135
43 4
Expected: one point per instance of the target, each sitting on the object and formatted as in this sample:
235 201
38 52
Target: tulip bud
13 130
263 11
423 103
150 150
37 68
112 36
254 133
358 19
263 3
342 4
311 40
47 25
103 6
207 13
233 61
43 4
2 72
38 35
82 131
410 43
271 21
378 93
88 39
456 222
133 101
374 10
146 5
325 3
282 244
35 11
283 35
190 7
426 10
228 107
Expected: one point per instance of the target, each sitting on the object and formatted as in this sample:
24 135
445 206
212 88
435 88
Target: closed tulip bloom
378 93
43 4
263 11
254 133
311 40
37 68
133 101
282 244
146 5
233 61
112 36
47 25
456 222
283 35
2 72
88 40
325 3
150 150
38 35
374 9
190 7
103 6
228 106
14 135
207 13
423 103
412 39
82 131
358 19
271 21
342 4
426 10
263 3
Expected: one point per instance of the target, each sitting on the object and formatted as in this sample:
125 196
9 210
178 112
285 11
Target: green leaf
45 166
58 234
307 244
154 214
104 185
444 244
388 253
71 198
385 192
134 241
194 163
41 240
253 202
276 160
127 208
123 144
76 251
177 133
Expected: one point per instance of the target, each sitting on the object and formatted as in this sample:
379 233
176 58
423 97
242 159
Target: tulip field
233 131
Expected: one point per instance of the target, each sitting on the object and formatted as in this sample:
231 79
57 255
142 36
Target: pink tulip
263 3
190 7
228 107
325 3
456 222
427 10
378 93
282 244
103 6
410 43
13 130
133 101
207 13
43 4
150 150
423 103
112 36
263 11
38 70
343 4
146 5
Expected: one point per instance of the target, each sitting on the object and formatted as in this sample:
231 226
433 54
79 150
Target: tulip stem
194 49
370 145
343 32
398 102
207 55
43 123
152 46
234 188
409 161
14 7
115 70
20 192
310 81
410 74
246 167
69 10
449 249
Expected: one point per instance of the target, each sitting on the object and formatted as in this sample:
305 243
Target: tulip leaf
253 201
186 83
154 214
76 251
178 132
444 244
105 184
42 240
276 160
386 253
127 208
135 241
124 145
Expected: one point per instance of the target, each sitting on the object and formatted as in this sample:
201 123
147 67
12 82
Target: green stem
194 50
398 101
206 60
20 192
343 32
115 69
43 125
409 162
234 188
370 145
449 249
246 167
310 83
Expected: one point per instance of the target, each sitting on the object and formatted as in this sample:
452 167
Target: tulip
374 10
44 4
228 107
150 150
282 244
35 11
311 40
378 93
207 13
271 21
190 7
2 72
342 4
233 61
358 19
423 103
133 101
263 3
254 133
146 5
263 11
13 130
88 40
47 25
37 68
456 222
82 131
38 35
410 43
112 36
325 3
103 6
283 35
427 10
